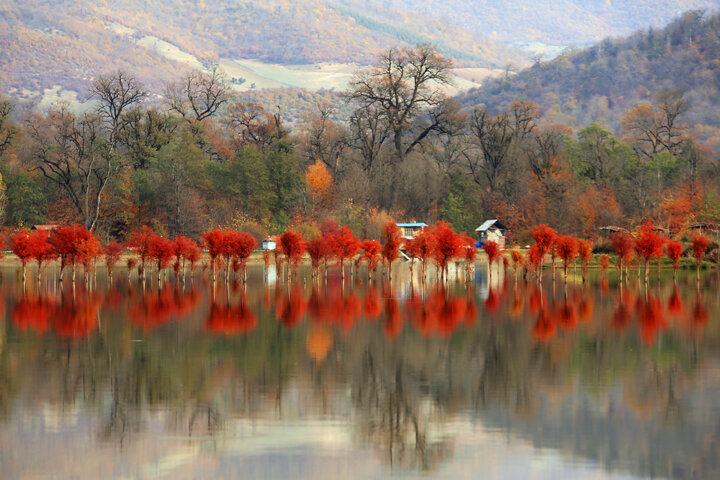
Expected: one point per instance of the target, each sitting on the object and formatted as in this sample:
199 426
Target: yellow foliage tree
320 185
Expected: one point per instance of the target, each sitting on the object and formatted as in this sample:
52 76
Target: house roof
412 225
489 223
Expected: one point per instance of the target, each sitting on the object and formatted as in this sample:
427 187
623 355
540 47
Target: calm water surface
361 380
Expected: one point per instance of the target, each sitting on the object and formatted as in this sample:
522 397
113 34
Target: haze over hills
599 84
51 50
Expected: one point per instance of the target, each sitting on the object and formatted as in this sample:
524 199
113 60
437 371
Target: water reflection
195 381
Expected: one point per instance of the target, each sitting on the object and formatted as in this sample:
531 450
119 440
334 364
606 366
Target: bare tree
368 134
651 129
402 86
73 153
117 93
253 125
199 95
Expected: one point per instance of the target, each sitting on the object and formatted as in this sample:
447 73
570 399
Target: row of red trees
645 245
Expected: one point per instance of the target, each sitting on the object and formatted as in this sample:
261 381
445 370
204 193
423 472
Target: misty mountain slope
599 83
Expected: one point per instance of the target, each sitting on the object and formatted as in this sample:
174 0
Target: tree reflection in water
398 363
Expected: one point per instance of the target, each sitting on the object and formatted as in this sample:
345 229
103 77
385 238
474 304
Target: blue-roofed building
409 230
492 230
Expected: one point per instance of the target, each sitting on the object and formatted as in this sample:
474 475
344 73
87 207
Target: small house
409 230
270 243
492 231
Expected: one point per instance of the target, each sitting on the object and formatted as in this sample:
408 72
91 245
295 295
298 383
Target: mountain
558 23
55 47
600 83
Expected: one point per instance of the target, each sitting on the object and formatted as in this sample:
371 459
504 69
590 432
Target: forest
202 159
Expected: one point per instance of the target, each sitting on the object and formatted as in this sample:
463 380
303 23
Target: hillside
557 23
598 84
54 44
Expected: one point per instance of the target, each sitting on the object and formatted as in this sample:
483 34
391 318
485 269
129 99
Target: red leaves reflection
158 307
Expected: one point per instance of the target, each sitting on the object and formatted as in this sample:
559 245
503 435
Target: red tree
567 249
674 249
293 246
544 237
112 252
446 246
242 246
21 247
216 244
371 254
66 240
392 240
88 249
623 244
344 245
139 243
700 243
469 252
161 251
40 249
422 246
604 262
319 250
585 253
182 246
518 260
492 250
648 244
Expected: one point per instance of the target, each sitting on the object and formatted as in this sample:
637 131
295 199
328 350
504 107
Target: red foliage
674 304
371 252
293 246
517 258
319 251
161 250
231 320
66 241
32 312
392 240
21 246
604 262
492 250
648 243
446 244
567 249
700 243
139 243
343 244
112 252
623 244
290 309
216 242
183 248
422 245
88 249
544 328
544 237
650 318
492 302
674 249
534 257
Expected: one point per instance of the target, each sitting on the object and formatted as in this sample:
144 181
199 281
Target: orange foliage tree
344 246
293 246
623 244
320 184
585 253
446 246
492 250
567 249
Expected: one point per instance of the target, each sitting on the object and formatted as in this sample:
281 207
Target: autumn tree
112 252
469 252
318 250
492 250
392 240
446 245
371 254
320 185
674 250
8 131
699 245
544 237
243 245
648 244
623 244
21 246
585 254
139 243
344 245
161 250
39 249
183 248
518 259
567 248
293 246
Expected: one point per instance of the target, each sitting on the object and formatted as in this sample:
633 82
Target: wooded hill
600 83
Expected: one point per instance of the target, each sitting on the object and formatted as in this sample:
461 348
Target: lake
361 379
